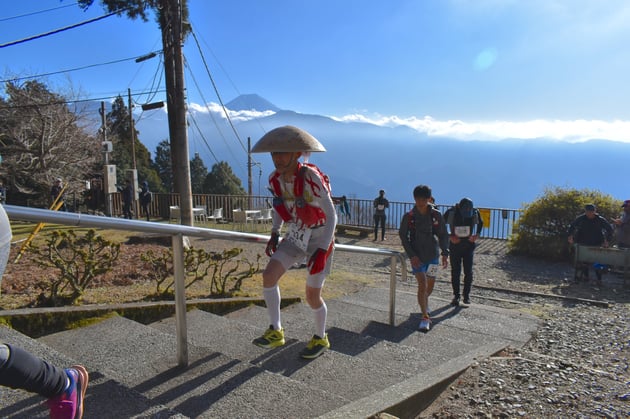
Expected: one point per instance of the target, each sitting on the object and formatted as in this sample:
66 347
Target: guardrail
177 232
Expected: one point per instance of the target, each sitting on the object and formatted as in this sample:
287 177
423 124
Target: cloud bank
574 131
559 130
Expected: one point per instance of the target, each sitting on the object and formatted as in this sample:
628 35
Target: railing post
180 300
392 292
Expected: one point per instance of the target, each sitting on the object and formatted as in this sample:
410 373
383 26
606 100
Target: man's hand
272 244
444 261
317 262
454 239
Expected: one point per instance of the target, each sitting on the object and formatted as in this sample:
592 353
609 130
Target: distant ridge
251 102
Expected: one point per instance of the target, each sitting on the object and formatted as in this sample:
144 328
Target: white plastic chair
174 214
265 215
217 215
199 214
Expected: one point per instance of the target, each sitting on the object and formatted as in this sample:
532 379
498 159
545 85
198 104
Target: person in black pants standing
380 205
465 224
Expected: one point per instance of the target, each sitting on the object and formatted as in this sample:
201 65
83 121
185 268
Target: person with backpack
145 198
590 229
423 233
302 202
464 224
380 205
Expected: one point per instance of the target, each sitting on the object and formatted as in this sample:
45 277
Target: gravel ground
576 366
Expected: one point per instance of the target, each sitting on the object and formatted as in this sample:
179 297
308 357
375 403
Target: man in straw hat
302 201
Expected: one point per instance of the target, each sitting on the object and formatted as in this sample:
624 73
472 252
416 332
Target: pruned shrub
225 270
79 259
542 228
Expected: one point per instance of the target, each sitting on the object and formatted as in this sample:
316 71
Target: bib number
298 237
462 231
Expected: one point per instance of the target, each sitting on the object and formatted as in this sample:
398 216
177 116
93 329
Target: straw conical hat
287 139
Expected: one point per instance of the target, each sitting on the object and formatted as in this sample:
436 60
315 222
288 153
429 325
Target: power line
216 90
52 73
76 25
68 102
36 13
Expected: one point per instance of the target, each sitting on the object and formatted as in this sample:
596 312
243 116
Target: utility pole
134 182
172 39
249 171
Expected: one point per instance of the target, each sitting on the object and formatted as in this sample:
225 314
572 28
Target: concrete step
214 385
106 397
338 373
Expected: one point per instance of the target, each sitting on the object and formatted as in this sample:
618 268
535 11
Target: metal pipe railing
178 232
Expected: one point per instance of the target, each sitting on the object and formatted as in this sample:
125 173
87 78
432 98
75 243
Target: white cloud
569 131
559 130
235 116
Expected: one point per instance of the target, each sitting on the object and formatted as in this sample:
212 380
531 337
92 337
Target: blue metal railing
498 222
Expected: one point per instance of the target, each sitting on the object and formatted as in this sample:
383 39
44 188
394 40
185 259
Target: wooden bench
362 230
616 259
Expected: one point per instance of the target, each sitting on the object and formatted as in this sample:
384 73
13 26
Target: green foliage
542 228
79 261
198 173
222 181
164 166
120 126
223 268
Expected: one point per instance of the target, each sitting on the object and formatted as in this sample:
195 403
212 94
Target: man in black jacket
465 224
590 229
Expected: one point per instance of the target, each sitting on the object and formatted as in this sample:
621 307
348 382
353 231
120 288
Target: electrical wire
52 73
216 90
210 112
38 12
76 25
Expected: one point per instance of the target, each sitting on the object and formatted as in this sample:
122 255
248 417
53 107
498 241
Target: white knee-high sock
272 300
320 320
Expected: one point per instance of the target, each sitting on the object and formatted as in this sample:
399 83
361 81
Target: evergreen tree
198 173
163 165
119 128
221 180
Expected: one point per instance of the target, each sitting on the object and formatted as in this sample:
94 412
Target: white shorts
289 254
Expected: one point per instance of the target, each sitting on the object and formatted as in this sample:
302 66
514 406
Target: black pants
127 210
25 371
379 219
461 254
145 209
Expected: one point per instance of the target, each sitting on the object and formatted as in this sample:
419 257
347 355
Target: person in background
64 388
464 223
622 226
127 199
57 195
145 198
590 229
423 233
303 202
380 205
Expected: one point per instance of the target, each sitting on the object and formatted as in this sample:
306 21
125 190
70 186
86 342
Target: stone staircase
372 367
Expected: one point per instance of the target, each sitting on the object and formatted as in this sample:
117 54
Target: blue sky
469 69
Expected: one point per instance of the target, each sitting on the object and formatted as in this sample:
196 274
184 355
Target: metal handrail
177 232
